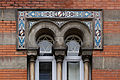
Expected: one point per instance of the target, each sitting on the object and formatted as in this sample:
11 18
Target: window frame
45 59
72 59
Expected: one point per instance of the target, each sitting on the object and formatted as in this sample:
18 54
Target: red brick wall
10 50
106 75
7 26
13 74
109 27
76 4
108 51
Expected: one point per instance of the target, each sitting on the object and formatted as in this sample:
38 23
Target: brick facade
111 48
76 4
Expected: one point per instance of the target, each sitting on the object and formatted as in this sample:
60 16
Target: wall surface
105 64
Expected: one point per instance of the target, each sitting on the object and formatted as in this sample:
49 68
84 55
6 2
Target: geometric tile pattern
59 14
21 30
98 30
84 14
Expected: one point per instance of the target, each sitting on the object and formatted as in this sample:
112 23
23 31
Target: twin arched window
46 63
46 42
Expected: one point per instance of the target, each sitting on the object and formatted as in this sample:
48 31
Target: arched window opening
73 65
45 62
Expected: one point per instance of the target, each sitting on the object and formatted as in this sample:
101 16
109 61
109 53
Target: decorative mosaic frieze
59 14
96 15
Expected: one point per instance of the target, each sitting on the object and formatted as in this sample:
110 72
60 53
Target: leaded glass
73 48
45 47
73 42
45 43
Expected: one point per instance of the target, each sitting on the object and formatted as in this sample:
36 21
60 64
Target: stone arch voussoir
83 32
49 26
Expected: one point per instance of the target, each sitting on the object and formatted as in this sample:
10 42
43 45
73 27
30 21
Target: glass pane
73 48
73 71
45 71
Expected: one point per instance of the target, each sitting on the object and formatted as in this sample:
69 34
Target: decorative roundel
21 32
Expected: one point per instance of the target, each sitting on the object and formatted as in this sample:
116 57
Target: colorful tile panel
21 30
96 15
59 14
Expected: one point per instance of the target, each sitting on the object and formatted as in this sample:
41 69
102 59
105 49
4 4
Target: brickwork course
105 63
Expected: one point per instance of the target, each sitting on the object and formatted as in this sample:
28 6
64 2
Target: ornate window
45 63
73 65
57 23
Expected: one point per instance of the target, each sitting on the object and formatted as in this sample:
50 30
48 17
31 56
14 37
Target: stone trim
24 15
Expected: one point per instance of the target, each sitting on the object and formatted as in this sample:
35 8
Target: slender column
59 60
86 69
59 71
32 68
32 55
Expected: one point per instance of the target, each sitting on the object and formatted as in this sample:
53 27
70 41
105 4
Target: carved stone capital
32 52
32 58
32 55
59 55
86 58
